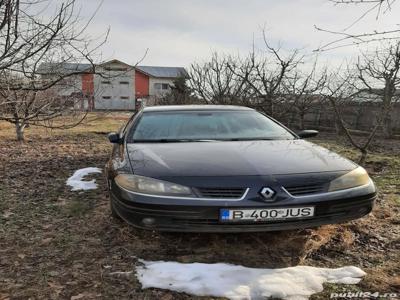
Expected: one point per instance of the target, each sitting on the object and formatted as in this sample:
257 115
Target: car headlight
354 178
147 185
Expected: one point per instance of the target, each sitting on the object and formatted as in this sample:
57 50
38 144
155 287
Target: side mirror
114 138
307 133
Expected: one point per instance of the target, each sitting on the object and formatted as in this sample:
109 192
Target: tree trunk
301 115
338 127
19 130
363 156
291 119
387 127
268 106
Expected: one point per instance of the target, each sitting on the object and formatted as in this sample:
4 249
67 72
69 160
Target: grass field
59 244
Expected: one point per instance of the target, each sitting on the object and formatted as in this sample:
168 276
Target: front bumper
203 216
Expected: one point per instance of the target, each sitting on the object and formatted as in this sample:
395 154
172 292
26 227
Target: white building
113 85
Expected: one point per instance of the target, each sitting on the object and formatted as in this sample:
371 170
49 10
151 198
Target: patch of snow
238 282
76 182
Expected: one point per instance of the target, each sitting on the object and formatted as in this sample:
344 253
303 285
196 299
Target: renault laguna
213 168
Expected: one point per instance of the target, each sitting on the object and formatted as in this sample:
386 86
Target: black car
228 169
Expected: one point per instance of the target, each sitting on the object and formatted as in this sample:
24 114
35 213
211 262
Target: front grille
325 211
304 190
228 193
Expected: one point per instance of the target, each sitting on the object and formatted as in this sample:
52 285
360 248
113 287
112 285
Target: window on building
105 82
124 82
115 69
106 97
161 86
124 97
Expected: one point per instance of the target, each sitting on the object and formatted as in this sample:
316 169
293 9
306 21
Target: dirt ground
59 244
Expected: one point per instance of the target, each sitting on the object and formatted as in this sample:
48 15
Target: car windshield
186 126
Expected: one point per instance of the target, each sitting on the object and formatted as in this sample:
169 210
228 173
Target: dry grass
93 123
56 244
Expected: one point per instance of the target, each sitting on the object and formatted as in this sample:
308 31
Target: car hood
233 158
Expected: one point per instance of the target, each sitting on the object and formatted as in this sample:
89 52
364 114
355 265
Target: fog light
148 221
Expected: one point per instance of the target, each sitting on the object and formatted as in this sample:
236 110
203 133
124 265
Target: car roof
209 107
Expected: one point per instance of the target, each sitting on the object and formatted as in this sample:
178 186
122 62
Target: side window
158 86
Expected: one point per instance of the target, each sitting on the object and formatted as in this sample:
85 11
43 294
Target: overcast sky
179 32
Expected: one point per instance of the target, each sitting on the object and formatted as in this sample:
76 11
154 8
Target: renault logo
267 193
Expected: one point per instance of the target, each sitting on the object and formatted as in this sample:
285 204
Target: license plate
266 214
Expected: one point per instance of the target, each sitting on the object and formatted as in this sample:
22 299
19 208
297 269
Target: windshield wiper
252 139
204 140
171 140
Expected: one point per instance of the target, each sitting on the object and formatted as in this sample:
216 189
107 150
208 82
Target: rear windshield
183 126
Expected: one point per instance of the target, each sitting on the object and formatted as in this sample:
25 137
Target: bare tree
346 37
264 75
303 89
215 81
257 81
34 50
29 107
375 79
379 75
340 91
